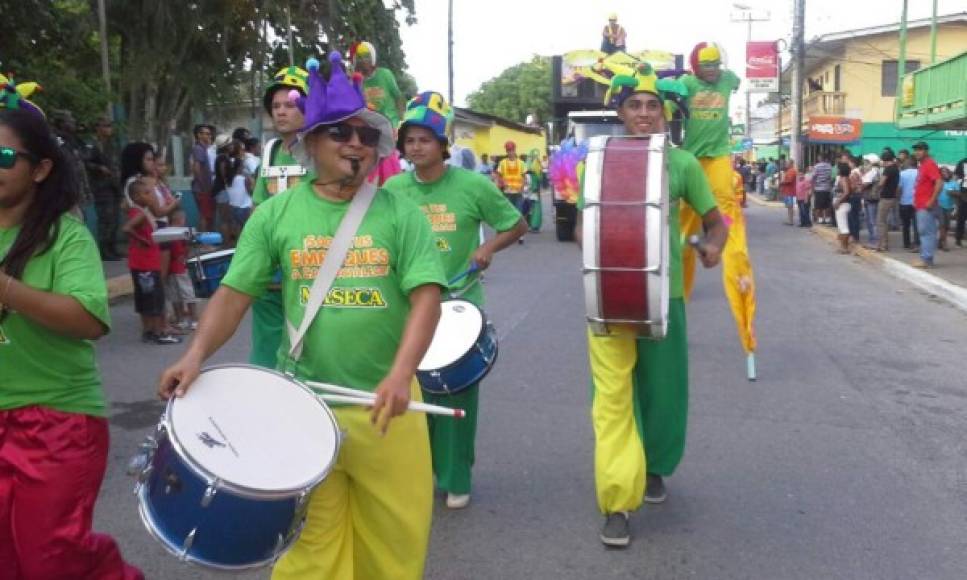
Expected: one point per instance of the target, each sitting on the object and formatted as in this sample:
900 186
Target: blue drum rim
460 360
149 524
242 491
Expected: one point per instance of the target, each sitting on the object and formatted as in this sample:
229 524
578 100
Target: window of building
836 77
888 79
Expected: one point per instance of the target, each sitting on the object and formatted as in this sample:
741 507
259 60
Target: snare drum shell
228 532
208 270
469 369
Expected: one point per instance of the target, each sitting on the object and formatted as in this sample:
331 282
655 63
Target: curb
930 283
754 198
118 287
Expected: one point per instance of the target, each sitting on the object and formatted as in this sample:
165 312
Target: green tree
519 91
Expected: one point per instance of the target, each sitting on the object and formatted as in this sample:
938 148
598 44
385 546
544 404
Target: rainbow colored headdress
16 96
362 49
337 99
706 53
430 110
643 79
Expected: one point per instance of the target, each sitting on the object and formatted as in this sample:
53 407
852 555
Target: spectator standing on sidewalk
889 184
871 194
787 189
908 182
102 169
946 202
856 194
804 188
925 196
202 178
841 205
959 172
823 189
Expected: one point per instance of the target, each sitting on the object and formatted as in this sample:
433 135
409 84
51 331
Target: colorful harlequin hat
642 79
706 53
430 110
292 77
330 102
15 96
363 49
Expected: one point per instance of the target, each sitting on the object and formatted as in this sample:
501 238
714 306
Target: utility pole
105 64
288 17
798 58
933 34
746 14
901 65
450 53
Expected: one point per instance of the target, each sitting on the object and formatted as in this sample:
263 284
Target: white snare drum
226 483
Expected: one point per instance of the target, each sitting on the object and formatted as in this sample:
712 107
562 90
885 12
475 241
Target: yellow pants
370 519
619 456
737 277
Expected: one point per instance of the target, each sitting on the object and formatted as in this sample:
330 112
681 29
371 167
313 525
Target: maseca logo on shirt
707 106
440 220
365 260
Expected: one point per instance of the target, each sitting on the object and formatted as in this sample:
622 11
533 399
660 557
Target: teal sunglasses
8 157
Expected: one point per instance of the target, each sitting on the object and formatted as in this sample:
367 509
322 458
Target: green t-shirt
266 187
686 182
39 366
382 94
707 127
456 205
355 336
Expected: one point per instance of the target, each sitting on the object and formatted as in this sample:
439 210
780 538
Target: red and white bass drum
625 234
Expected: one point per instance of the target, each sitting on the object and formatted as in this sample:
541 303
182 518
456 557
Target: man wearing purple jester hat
370 518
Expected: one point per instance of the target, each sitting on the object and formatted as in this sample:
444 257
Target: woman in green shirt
53 303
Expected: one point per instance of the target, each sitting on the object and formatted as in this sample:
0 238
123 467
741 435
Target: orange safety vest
512 172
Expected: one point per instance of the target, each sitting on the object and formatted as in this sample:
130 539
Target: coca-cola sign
762 66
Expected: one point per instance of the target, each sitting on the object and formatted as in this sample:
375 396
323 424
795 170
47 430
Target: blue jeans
927 226
855 202
870 206
804 218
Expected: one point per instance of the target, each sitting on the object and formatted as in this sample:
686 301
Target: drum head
461 323
220 254
254 429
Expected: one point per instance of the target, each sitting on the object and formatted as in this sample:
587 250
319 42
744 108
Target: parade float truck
578 85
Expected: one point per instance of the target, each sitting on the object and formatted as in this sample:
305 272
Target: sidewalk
947 280
119 282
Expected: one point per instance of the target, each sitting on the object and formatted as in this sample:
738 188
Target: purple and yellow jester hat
642 79
334 100
16 96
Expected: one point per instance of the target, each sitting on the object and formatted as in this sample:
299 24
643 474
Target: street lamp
747 14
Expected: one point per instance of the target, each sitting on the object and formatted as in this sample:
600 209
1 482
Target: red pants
205 202
51 467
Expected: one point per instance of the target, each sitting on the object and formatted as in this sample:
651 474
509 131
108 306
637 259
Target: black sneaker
655 489
616 532
166 339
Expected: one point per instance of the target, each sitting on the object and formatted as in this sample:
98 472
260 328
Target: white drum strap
335 256
281 173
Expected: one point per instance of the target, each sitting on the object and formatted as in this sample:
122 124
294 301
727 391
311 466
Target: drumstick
346 395
473 268
696 242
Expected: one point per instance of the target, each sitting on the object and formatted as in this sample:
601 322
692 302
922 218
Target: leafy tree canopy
521 90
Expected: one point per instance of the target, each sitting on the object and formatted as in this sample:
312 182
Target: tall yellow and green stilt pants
639 408
370 518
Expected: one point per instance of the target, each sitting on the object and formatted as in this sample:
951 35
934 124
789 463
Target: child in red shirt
178 287
144 262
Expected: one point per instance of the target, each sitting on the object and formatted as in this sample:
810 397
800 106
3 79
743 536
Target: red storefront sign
762 66
834 130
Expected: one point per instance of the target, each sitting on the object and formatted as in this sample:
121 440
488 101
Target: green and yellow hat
291 77
642 79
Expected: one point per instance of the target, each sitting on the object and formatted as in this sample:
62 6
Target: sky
493 35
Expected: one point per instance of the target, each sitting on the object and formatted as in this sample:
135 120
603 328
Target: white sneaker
458 502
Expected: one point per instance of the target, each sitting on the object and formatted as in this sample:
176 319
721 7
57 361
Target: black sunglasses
343 132
8 157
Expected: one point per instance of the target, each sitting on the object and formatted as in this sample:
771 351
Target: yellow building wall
861 67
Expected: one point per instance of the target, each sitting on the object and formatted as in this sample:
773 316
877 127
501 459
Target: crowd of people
878 193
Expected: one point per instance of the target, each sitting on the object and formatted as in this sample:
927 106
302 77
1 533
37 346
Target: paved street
847 459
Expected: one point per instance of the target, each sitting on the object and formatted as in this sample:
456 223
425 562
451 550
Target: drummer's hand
482 257
392 400
710 255
176 379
